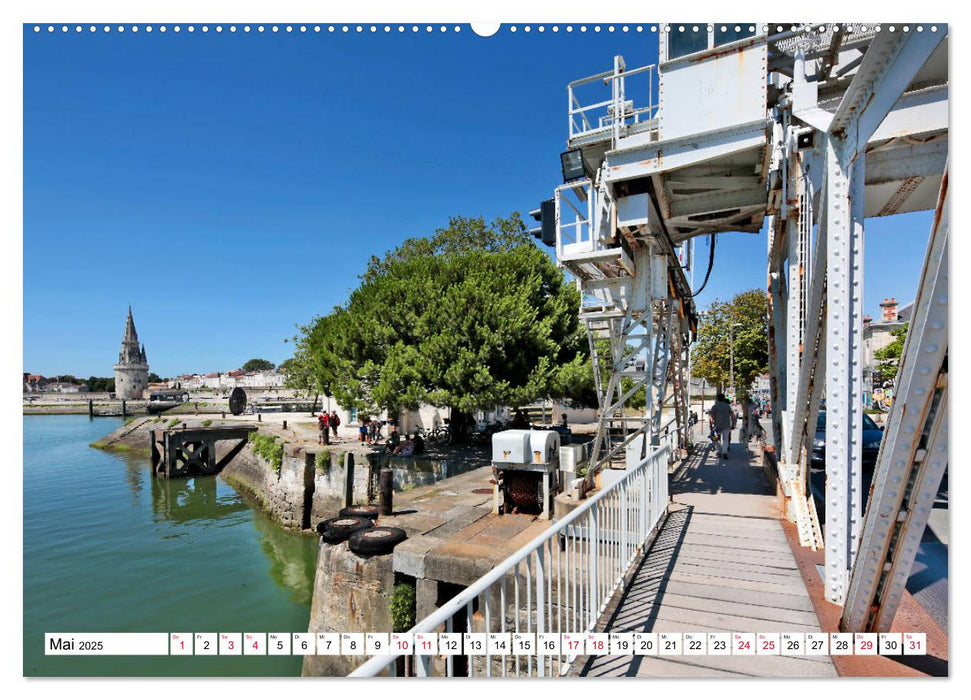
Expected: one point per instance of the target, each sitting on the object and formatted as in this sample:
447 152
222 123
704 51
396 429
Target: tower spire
131 372
131 336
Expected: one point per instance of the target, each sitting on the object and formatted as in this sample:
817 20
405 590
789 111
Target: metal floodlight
572 164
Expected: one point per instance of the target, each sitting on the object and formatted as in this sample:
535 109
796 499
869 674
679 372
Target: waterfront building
131 372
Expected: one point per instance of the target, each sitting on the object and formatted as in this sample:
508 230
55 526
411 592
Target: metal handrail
611 528
616 114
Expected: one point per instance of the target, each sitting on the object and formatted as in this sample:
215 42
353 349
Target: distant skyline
232 186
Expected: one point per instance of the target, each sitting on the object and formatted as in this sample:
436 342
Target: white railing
616 114
584 219
561 582
574 219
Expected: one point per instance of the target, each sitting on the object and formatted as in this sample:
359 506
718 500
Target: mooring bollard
184 426
386 492
124 409
259 417
284 425
224 414
348 479
90 408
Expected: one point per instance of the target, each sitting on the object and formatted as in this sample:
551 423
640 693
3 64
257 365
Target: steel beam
913 455
794 302
890 64
844 369
663 156
810 372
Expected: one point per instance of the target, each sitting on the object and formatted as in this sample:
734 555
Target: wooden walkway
720 564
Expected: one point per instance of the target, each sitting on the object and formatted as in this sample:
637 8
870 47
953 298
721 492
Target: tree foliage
888 357
96 384
742 323
471 317
258 365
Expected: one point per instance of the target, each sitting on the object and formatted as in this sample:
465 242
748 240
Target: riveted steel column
794 304
844 375
913 453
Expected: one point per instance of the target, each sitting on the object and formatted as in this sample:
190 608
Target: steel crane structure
802 131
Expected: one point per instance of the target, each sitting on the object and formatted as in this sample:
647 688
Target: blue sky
230 186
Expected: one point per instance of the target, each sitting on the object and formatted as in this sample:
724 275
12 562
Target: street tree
888 357
471 317
742 324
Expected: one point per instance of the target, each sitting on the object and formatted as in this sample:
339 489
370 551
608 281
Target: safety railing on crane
560 582
574 219
584 219
630 105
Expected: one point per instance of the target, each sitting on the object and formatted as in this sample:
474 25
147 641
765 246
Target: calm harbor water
109 548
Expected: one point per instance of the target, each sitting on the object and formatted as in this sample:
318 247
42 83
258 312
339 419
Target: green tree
154 378
258 365
471 317
97 384
888 358
742 323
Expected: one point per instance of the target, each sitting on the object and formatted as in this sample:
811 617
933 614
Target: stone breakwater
313 482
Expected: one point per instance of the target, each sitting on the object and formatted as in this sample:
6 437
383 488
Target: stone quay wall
351 594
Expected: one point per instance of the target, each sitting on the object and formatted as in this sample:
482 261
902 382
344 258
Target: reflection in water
147 555
292 559
189 500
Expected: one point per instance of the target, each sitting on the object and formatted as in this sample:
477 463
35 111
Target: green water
109 548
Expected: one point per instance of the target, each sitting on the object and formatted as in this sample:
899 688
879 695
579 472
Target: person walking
722 419
375 431
335 422
323 421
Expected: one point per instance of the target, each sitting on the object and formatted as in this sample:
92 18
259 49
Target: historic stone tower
131 372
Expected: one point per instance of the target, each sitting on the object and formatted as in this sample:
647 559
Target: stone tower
131 372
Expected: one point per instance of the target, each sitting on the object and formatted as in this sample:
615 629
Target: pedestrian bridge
805 131
674 546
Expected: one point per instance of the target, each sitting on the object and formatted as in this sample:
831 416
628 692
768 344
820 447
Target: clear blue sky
230 186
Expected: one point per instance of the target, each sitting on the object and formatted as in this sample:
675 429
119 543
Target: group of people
408 447
327 422
723 419
369 431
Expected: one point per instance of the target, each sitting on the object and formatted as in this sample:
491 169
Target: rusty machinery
525 466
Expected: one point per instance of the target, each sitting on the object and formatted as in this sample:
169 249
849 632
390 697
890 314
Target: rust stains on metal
719 53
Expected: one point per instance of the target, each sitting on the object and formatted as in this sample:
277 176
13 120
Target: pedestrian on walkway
722 418
323 421
374 434
335 422
748 408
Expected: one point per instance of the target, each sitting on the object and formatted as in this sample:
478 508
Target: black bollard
90 408
259 417
284 425
386 492
124 409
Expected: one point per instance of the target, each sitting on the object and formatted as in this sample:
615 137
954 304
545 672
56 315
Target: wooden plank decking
720 564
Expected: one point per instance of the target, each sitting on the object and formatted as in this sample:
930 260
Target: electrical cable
711 263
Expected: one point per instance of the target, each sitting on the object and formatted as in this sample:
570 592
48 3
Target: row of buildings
37 383
269 379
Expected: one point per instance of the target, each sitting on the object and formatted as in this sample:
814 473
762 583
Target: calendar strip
481 644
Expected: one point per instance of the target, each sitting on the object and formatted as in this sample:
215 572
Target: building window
686 42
